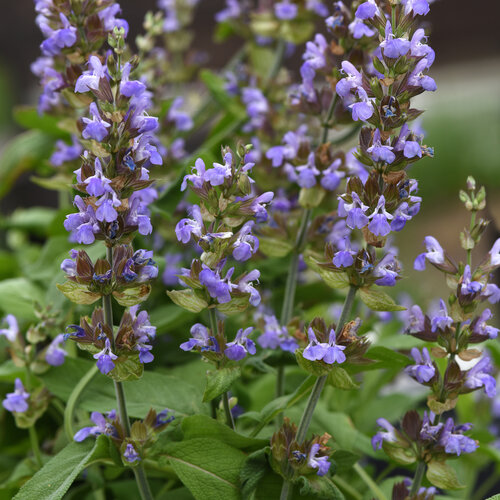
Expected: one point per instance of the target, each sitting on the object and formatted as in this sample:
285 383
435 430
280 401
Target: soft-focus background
462 118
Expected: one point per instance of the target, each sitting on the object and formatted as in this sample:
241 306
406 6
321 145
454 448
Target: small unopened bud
464 197
471 183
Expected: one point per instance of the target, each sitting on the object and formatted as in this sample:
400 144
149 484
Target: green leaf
377 300
331 278
215 85
219 381
17 296
169 317
21 154
387 358
339 378
316 368
273 247
29 118
132 296
494 497
154 390
440 474
311 197
344 460
127 368
208 468
54 479
320 487
188 300
234 306
253 470
199 426
78 293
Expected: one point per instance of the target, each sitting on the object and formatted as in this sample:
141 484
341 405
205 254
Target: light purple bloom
379 225
245 285
492 293
55 355
410 148
495 253
353 79
331 176
415 320
107 17
215 176
356 218
246 244
389 435
66 152
423 370
241 346
308 172
285 11
197 178
274 335
182 120
379 151
367 10
359 29
441 320
187 227
387 270
469 287
394 47
130 454
329 352
481 328
12 331
218 288
418 79
320 463
434 254
480 376
89 80
257 107
345 256
362 110
17 401
95 128
58 39
233 10
420 7
101 427
454 442
105 358
258 206
200 338
419 49
315 52
97 184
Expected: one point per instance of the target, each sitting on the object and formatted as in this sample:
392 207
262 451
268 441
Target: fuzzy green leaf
440 474
188 300
78 293
219 381
377 300
132 296
339 378
54 479
273 247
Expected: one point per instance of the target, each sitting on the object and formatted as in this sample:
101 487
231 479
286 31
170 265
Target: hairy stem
305 421
326 123
469 251
35 446
417 479
139 472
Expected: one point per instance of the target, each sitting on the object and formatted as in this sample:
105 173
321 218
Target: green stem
227 410
35 446
139 472
329 114
376 491
348 489
305 421
417 479
469 251
278 59
73 399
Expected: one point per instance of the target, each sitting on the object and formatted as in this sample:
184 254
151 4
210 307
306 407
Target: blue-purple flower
201 339
387 434
95 128
17 401
105 358
55 355
453 440
380 152
441 320
218 288
394 47
320 463
274 335
329 352
241 346
285 11
480 376
434 254
479 326
12 331
423 370
353 80
367 10
102 426
246 244
130 454
187 227
355 211
379 224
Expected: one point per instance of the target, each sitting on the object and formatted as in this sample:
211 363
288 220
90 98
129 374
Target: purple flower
308 172
434 254
492 293
102 426
172 269
58 39
258 206
218 288
54 354
17 401
187 227
331 176
232 11
389 435
415 320
216 175
107 17
162 417
355 211
245 285
106 206
418 79
198 178
241 346
480 376
410 148
367 10
83 225
387 270
274 335
285 11
379 225
257 107
379 151
97 184
328 352
12 331
454 442
423 370
129 88
95 128
65 152
344 257
105 358
130 455
362 110
182 120
292 141
314 54
138 214
200 338
441 320
481 328
246 244
419 49
469 287
495 253
420 7
89 80
320 463
318 7
353 80
394 47
359 29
